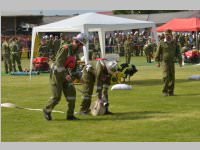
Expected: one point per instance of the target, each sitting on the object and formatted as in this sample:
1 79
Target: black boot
47 115
72 118
171 93
107 110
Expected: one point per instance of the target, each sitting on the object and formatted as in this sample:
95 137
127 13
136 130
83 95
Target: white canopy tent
92 22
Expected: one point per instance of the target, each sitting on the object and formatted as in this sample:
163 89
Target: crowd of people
125 44
49 45
115 43
140 44
11 52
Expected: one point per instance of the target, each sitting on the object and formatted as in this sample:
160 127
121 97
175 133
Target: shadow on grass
122 116
130 115
194 94
151 82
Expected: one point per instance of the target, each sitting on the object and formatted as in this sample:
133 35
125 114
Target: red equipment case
192 56
41 64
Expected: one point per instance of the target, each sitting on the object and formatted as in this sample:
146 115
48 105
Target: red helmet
70 62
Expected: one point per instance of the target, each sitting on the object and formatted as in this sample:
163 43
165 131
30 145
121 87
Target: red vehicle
192 56
41 64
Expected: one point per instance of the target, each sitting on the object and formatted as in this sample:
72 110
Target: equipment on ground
125 71
121 87
192 56
41 64
194 77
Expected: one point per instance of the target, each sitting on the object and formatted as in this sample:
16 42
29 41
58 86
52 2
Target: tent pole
86 47
32 50
102 42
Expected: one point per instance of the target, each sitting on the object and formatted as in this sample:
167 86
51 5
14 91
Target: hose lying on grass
10 105
194 77
24 73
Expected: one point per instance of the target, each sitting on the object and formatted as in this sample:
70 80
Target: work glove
88 67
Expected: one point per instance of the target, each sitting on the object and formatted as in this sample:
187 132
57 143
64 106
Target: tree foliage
116 12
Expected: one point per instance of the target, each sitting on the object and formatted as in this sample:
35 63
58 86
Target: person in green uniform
141 44
127 49
15 57
96 47
98 72
114 43
166 54
181 39
187 43
6 56
117 41
62 39
50 47
148 50
136 50
88 80
61 79
19 46
43 48
162 37
122 40
56 46
104 70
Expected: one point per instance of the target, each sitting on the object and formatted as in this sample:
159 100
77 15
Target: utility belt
56 68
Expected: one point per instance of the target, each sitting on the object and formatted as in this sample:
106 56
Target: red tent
181 25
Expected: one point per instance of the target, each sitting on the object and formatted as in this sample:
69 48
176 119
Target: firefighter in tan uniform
99 72
104 71
167 52
61 79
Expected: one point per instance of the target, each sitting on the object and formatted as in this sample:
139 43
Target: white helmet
136 32
111 65
82 38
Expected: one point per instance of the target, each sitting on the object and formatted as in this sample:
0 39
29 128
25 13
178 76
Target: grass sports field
141 114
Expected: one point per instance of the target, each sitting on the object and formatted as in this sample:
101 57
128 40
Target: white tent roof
92 22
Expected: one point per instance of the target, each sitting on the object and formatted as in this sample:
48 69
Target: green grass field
141 114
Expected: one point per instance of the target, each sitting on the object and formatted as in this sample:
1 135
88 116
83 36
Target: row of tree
142 11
